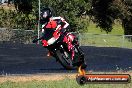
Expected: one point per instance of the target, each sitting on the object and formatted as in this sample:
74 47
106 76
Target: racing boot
49 54
84 65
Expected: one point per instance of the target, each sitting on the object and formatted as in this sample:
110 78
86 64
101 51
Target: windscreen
48 33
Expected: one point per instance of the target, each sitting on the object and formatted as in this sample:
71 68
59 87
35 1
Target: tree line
79 12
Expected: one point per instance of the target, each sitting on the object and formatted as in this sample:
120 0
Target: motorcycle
64 47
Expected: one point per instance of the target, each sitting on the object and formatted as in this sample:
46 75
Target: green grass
117 29
67 83
105 40
93 36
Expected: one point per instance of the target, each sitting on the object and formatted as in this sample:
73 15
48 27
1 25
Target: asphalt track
32 59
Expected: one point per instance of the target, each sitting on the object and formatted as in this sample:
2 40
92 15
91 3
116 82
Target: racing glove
35 40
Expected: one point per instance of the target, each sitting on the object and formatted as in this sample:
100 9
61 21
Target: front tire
64 60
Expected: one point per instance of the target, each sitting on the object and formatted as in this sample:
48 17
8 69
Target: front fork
80 51
62 48
76 44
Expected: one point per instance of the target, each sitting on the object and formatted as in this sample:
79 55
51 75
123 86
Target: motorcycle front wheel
65 60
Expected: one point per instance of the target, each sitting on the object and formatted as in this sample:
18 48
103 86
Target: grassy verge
105 40
94 36
56 81
66 83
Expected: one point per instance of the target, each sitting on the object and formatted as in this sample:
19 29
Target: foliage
16 36
14 20
24 6
106 11
71 10
5 34
127 21
102 12
11 19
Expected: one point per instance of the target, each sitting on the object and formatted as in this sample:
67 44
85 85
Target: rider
50 22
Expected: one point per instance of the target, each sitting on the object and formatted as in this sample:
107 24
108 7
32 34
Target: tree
71 10
106 11
24 6
127 19
103 12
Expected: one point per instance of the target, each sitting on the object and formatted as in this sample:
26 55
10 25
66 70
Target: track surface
32 59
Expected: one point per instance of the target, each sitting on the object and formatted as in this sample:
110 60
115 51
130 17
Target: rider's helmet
46 13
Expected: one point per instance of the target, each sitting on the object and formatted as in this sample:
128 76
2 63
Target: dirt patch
24 78
49 76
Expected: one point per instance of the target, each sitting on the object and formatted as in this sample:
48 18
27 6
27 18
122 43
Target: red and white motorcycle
64 47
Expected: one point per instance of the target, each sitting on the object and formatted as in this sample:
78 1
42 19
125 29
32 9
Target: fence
105 40
85 39
16 36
